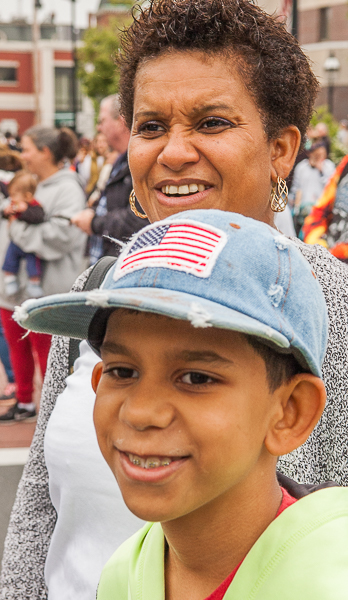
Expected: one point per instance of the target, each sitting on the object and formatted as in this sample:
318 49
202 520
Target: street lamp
331 67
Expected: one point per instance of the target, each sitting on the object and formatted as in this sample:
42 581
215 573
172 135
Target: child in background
24 207
210 370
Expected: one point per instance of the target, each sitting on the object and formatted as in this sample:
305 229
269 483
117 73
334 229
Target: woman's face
197 139
37 161
101 145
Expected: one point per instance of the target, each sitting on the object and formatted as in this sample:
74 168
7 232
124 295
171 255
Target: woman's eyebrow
205 108
196 110
154 114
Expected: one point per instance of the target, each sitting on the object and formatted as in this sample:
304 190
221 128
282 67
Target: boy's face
192 403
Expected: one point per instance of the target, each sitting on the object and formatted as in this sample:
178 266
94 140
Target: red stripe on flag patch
182 246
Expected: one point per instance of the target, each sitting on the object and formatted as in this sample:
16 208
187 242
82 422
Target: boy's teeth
152 462
183 190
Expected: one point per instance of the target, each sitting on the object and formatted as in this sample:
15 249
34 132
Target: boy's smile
181 414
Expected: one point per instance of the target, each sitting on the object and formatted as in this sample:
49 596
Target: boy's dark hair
280 368
269 59
25 181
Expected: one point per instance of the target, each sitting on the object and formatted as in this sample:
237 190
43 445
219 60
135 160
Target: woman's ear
299 406
96 375
284 152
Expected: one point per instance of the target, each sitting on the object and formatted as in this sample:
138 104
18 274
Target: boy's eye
123 373
194 378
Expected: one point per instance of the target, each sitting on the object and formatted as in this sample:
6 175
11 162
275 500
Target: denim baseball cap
213 269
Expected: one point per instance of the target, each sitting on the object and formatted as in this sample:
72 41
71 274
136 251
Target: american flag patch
179 245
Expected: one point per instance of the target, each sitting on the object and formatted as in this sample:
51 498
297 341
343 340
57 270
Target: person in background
94 161
112 217
10 163
327 223
10 389
342 134
310 178
24 207
11 141
104 175
55 241
321 134
77 163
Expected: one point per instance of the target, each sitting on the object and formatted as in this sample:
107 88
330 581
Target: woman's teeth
152 462
182 190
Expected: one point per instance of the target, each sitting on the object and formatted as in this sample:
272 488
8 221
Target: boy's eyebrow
115 348
202 356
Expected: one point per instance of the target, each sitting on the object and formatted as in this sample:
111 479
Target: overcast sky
62 9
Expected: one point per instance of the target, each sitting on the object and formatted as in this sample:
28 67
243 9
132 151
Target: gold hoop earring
132 199
279 195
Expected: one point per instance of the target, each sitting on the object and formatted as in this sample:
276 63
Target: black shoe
15 414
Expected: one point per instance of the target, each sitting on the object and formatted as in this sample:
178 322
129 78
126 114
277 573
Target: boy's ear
96 375
300 404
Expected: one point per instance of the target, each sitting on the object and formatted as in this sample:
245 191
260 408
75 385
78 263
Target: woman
310 177
217 95
58 244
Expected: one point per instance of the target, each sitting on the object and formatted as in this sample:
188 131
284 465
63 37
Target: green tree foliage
96 66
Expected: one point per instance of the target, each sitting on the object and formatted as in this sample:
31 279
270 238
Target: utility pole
74 69
294 27
36 37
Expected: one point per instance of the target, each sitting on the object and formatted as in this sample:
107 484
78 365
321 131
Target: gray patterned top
323 457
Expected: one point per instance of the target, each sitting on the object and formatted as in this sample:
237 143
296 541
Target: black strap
92 282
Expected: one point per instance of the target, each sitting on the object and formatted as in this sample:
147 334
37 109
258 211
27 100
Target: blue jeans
4 356
13 257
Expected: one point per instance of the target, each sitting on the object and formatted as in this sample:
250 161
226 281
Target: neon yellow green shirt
302 555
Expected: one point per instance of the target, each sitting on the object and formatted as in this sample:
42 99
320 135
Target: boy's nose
143 408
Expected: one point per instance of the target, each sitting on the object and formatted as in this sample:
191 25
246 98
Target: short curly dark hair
275 70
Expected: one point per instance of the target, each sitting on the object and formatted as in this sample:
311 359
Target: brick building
323 31
17 99
109 9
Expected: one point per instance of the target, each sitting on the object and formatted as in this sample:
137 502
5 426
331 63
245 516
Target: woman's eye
150 128
124 373
214 123
194 378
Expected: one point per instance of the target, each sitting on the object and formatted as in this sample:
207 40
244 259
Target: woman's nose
178 151
144 408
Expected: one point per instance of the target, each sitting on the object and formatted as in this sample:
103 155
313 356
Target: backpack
93 281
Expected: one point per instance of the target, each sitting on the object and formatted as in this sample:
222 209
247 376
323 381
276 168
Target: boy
210 370
24 207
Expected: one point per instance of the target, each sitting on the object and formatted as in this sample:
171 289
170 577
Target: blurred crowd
64 201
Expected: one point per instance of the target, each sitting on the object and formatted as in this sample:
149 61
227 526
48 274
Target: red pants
22 353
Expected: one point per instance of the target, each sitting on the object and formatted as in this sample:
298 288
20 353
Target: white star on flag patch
179 245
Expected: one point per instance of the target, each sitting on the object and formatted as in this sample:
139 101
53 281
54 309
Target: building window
323 24
64 90
8 75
